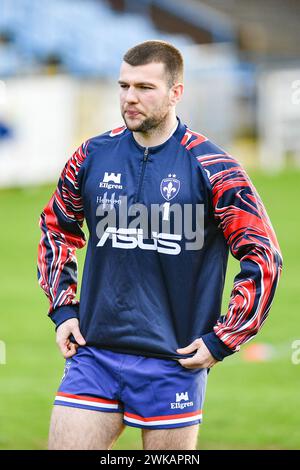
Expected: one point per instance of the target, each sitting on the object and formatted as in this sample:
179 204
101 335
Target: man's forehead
154 71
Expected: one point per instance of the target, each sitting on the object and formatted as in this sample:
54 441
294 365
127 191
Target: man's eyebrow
122 82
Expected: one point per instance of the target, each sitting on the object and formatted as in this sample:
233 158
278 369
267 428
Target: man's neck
158 136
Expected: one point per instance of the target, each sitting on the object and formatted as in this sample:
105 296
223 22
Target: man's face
145 96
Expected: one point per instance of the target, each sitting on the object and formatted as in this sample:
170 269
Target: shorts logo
169 187
66 370
184 396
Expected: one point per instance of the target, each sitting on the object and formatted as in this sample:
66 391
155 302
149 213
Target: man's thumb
190 348
78 336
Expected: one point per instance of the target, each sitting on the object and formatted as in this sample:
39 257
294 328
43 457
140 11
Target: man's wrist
64 313
217 348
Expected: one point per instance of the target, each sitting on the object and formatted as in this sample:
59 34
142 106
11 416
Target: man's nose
131 95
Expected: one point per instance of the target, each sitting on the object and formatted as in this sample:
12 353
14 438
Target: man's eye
123 86
146 88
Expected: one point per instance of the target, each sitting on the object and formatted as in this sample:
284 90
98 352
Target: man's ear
176 93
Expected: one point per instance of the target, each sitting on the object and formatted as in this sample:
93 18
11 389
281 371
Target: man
148 329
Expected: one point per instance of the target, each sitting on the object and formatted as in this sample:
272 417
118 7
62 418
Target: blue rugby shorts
151 393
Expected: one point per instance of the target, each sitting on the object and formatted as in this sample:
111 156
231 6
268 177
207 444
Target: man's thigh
184 438
76 428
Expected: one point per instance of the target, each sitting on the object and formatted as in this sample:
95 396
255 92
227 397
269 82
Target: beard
151 123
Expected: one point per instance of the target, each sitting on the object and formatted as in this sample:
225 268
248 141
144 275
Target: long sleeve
240 214
61 225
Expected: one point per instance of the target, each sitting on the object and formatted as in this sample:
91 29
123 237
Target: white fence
279 118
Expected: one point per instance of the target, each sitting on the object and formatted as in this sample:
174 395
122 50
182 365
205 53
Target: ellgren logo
111 177
169 187
184 396
114 177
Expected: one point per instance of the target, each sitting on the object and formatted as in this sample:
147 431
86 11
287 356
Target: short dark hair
158 51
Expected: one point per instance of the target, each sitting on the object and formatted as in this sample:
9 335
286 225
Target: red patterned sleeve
240 214
61 226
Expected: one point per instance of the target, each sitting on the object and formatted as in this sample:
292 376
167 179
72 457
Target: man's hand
202 359
63 332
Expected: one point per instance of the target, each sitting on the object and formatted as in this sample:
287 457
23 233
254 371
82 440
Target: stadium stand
82 38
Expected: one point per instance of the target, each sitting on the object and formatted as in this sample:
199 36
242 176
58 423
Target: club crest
169 187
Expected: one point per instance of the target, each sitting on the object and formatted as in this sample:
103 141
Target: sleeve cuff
217 348
63 313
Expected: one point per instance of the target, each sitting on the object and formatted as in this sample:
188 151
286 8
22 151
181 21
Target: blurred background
59 65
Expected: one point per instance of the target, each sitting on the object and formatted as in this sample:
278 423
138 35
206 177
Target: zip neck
178 133
145 160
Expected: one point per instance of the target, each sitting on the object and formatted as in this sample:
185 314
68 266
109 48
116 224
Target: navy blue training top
148 288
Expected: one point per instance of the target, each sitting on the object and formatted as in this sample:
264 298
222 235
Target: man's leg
184 438
76 428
